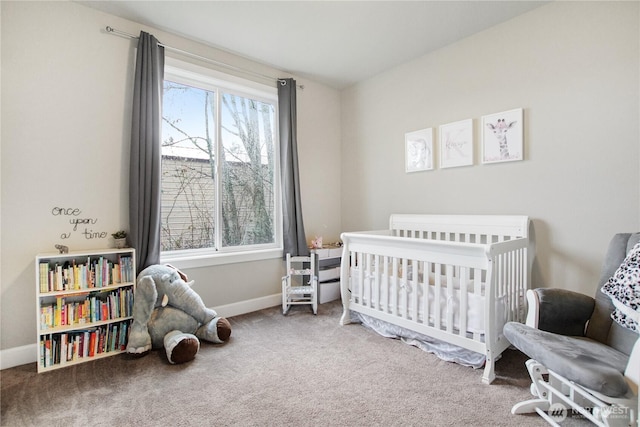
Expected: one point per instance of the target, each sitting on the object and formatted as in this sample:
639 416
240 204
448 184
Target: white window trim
187 73
194 74
220 258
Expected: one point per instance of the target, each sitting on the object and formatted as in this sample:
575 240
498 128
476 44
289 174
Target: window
220 190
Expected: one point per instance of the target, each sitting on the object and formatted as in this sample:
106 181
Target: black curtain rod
112 30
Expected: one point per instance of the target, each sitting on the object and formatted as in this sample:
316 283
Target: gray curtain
144 167
294 239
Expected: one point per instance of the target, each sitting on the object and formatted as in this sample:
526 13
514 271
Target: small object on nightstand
317 243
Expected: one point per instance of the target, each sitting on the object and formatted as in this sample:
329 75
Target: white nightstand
329 258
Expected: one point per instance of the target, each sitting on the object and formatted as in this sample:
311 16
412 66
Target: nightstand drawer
329 274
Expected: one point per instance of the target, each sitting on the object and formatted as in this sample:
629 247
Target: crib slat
385 286
501 282
414 290
353 278
360 277
425 292
464 301
522 268
368 280
515 284
508 287
512 290
394 286
477 291
437 292
450 297
375 289
404 284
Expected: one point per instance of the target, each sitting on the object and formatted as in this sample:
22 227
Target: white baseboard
17 356
248 306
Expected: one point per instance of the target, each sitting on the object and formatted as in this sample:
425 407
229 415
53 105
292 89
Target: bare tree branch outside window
246 169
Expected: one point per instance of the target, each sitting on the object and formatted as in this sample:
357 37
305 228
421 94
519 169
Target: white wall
66 90
574 68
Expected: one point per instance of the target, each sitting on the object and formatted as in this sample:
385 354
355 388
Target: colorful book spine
97 273
62 348
80 309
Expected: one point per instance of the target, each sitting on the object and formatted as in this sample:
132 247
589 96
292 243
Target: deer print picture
502 139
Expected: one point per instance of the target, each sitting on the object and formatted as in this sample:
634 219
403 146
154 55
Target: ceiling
337 43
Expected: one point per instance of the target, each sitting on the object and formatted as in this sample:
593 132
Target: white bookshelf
84 303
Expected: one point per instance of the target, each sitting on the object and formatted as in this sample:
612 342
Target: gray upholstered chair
581 360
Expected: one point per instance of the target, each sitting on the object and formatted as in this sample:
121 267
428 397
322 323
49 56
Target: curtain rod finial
283 82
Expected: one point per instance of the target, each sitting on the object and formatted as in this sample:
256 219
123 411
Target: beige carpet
295 370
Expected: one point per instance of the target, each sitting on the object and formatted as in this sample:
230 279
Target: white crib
456 278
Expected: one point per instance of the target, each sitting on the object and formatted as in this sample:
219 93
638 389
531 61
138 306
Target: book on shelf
81 309
94 273
92 344
65 347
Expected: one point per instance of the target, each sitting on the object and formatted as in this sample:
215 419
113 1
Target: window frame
204 78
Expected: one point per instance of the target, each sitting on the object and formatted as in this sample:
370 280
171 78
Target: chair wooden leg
536 372
530 406
542 401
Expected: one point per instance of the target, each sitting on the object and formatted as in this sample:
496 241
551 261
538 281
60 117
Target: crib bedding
442 349
447 300
446 284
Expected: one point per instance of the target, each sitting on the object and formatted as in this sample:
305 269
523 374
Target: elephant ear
180 273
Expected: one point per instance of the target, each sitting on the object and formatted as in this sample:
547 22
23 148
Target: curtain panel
144 167
294 239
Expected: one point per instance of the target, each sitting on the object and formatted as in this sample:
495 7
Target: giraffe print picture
503 137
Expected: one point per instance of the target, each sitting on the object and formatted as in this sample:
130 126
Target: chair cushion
601 327
582 360
624 287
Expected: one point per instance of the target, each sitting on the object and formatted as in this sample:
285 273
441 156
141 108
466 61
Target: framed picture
456 144
503 137
419 150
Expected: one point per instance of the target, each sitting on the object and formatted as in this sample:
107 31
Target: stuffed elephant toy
168 313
